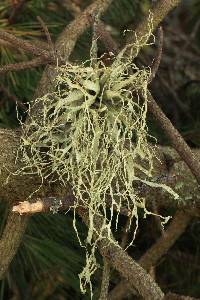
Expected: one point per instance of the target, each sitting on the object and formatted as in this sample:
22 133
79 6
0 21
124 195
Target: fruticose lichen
92 133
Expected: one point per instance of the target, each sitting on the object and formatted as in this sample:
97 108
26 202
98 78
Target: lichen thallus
92 133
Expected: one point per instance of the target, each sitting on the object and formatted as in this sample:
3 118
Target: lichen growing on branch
92 133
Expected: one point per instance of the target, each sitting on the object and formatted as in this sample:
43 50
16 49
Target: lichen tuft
92 133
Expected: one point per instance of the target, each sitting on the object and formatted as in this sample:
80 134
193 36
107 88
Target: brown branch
72 7
172 296
175 138
35 62
68 38
12 97
157 61
10 240
121 261
20 187
46 31
154 253
101 31
105 279
25 45
42 205
38 43
135 275
47 204
158 12
66 43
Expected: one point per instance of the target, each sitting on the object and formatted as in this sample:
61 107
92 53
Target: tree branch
65 45
25 45
10 240
35 62
156 251
11 97
158 12
175 138
19 188
122 262
105 280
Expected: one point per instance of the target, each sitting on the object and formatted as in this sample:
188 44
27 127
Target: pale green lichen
92 133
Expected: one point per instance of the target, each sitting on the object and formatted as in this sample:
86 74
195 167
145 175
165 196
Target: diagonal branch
68 38
175 138
25 45
33 63
158 12
10 240
13 98
66 43
135 275
156 251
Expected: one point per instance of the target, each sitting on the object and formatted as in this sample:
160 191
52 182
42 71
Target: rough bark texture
159 11
135 275
18 188
175 138
154 253
10 240
14 188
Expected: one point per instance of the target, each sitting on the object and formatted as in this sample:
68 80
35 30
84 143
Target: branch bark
175 138
25 45
35 62
11 239
19 188
156 251
158 12
122 262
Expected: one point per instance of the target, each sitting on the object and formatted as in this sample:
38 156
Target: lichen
92 133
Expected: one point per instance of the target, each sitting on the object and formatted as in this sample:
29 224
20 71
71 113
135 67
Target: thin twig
157 60
175 138
46 31
35 62
12 97
25 45
42 205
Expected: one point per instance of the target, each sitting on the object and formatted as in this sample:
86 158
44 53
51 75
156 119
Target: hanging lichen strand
92 133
